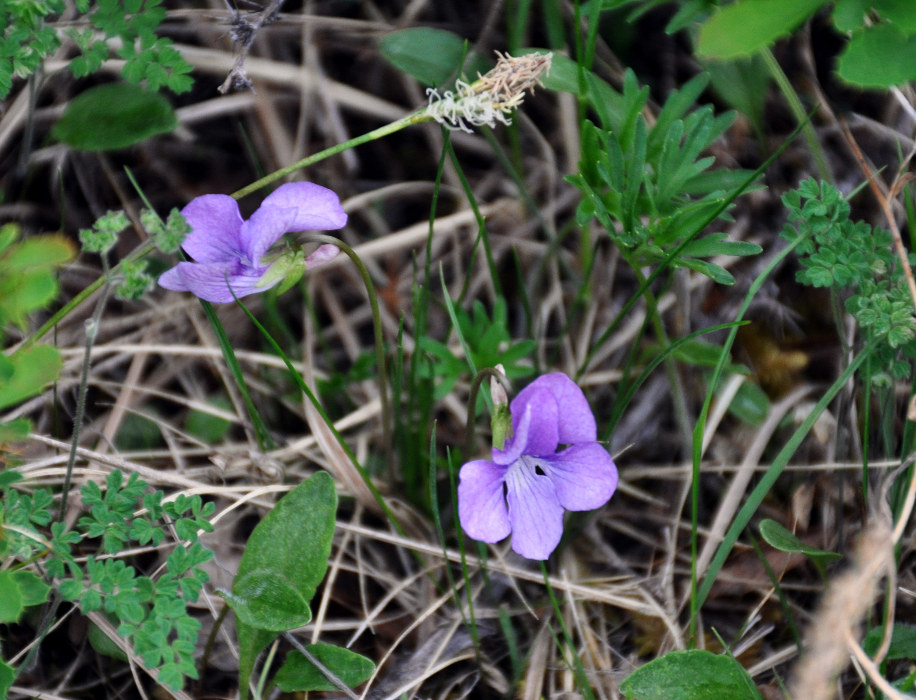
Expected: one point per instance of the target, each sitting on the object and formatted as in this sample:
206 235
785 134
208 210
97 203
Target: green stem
798 110
379 340
414 118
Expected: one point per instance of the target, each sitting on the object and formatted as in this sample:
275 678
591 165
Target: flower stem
379 339
417 117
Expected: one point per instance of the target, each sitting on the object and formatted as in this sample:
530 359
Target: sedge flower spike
492 97
229 251
526 487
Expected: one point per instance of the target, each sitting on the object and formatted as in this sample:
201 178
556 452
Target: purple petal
534 512
321 255
576 420
584 476
541 436
295 206
215 227
481 503
211 282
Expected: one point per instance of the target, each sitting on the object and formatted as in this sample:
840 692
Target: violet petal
576 420
321 255
584 476
295 206
542 435
535 513
215 227
481 503
209 281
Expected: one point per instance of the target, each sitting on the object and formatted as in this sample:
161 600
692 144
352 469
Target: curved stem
379 337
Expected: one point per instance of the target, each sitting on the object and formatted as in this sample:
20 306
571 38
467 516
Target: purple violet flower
526 487
227 248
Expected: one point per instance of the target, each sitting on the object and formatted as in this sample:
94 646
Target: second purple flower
526 487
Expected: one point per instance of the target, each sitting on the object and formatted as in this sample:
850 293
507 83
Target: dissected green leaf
32 368
112 116
300 674
430 55
879 57
690 675
742 28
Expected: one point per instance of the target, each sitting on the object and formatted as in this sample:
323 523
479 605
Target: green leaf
716 244
7 676
903 642
780 538
747 26
40 251
850 14
742 83
208 427
430 55
879 57
112 116
900 12
32 368
690 675
751 404
104 645
11 601
716 273
14 431
27 282
294 542
34 591
299 674
266 600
